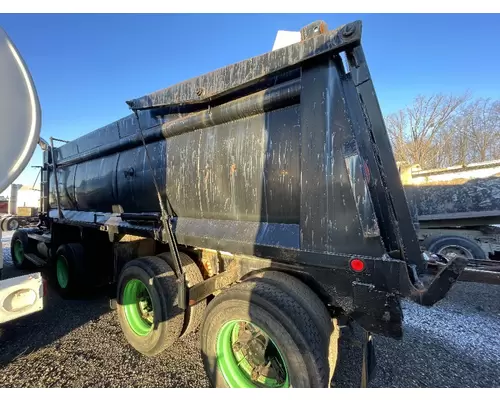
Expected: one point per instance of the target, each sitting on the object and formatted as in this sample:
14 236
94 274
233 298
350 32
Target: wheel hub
145 307
252 344
12 225
19 251
455 251
254 360
138 307
62 272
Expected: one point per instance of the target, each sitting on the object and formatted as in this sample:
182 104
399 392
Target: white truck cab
20 117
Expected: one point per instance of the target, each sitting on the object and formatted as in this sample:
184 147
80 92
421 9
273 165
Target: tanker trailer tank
20 113
259 202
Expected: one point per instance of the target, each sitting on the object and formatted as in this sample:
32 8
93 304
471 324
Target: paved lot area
79 344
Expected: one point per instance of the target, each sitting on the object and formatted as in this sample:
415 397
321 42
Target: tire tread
285 308
171 317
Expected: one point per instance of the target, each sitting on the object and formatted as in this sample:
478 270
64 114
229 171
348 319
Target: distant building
28 197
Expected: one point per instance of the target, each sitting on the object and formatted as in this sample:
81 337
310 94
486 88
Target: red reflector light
357 265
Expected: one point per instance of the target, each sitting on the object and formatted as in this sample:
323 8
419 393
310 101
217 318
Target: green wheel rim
62 272
138 307
19 251
233 359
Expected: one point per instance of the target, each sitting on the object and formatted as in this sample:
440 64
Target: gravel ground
79 344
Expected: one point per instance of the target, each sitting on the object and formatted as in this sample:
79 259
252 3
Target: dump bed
274 143
283 156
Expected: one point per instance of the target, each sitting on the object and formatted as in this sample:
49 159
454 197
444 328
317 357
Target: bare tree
456 141
419 132
483 127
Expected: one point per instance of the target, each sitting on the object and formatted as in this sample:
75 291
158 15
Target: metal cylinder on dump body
269 183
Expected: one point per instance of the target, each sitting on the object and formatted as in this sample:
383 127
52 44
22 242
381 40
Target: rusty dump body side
283 157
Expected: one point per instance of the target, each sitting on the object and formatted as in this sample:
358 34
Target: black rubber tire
2 226
77 282
312 304
22 236
194 314
282 317
434 243
161 282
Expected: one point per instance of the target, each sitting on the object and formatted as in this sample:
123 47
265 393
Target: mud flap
369 362
333 350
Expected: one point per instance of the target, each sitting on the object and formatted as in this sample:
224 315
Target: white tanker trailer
19 135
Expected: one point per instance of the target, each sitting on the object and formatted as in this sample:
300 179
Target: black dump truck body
277 163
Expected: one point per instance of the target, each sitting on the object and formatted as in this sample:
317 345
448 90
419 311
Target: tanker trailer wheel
255 335
147 307
11 224
2 226
69 273
3 223
194 314
453 246
19 246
